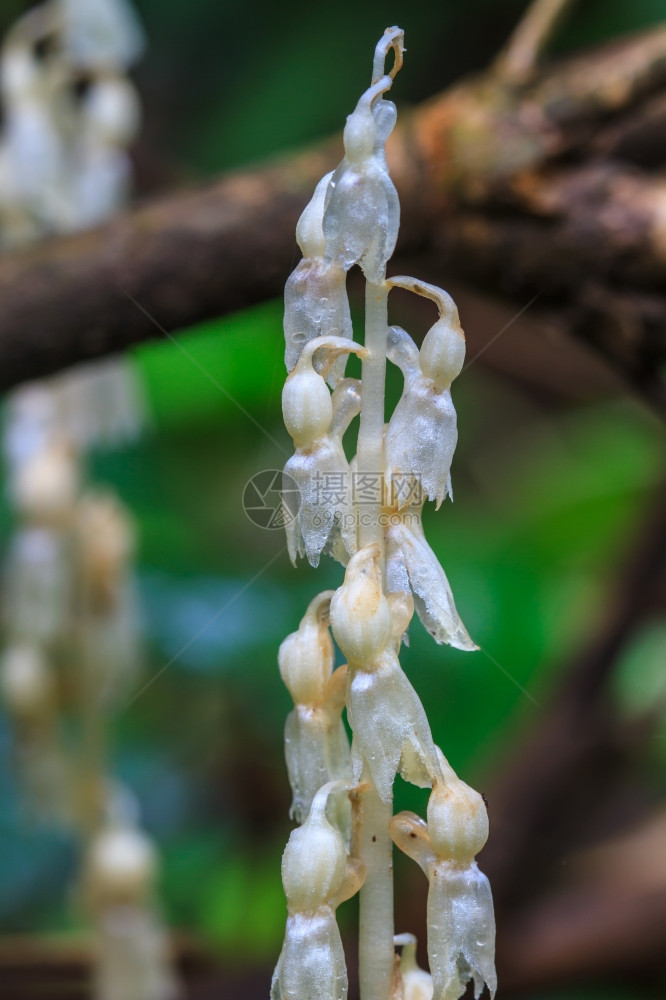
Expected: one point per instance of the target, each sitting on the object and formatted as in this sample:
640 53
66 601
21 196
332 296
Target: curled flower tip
442 353
319 608
322 352
448 310
393 38
410 835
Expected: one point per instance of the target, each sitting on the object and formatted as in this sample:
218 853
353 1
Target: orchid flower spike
366 513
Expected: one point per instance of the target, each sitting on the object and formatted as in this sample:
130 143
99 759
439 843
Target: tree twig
518 61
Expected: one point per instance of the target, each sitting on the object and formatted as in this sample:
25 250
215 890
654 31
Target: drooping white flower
109 646
422 434
317 421
29 693
119 887
315 296
317 876
461 923
391 731
362 212
316 744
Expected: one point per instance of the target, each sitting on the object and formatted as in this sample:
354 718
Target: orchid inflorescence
367 514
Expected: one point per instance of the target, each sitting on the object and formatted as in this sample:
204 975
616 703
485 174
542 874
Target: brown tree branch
520 189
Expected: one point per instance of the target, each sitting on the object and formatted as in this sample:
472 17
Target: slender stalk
371 431
375 849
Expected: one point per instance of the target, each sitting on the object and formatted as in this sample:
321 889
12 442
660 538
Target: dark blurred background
557 510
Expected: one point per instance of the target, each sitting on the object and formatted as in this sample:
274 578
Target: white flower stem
375 849
373 841
371 431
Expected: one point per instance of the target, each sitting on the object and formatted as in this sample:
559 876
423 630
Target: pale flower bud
457 817
359 135
121 867
360 613
45 486
306 406
315 860
106 541
309 228
25 681
305 657
443 353
443 350
37 600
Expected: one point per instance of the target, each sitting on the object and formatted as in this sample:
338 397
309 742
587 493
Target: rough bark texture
545 186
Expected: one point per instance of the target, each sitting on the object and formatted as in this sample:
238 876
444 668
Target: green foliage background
547 496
